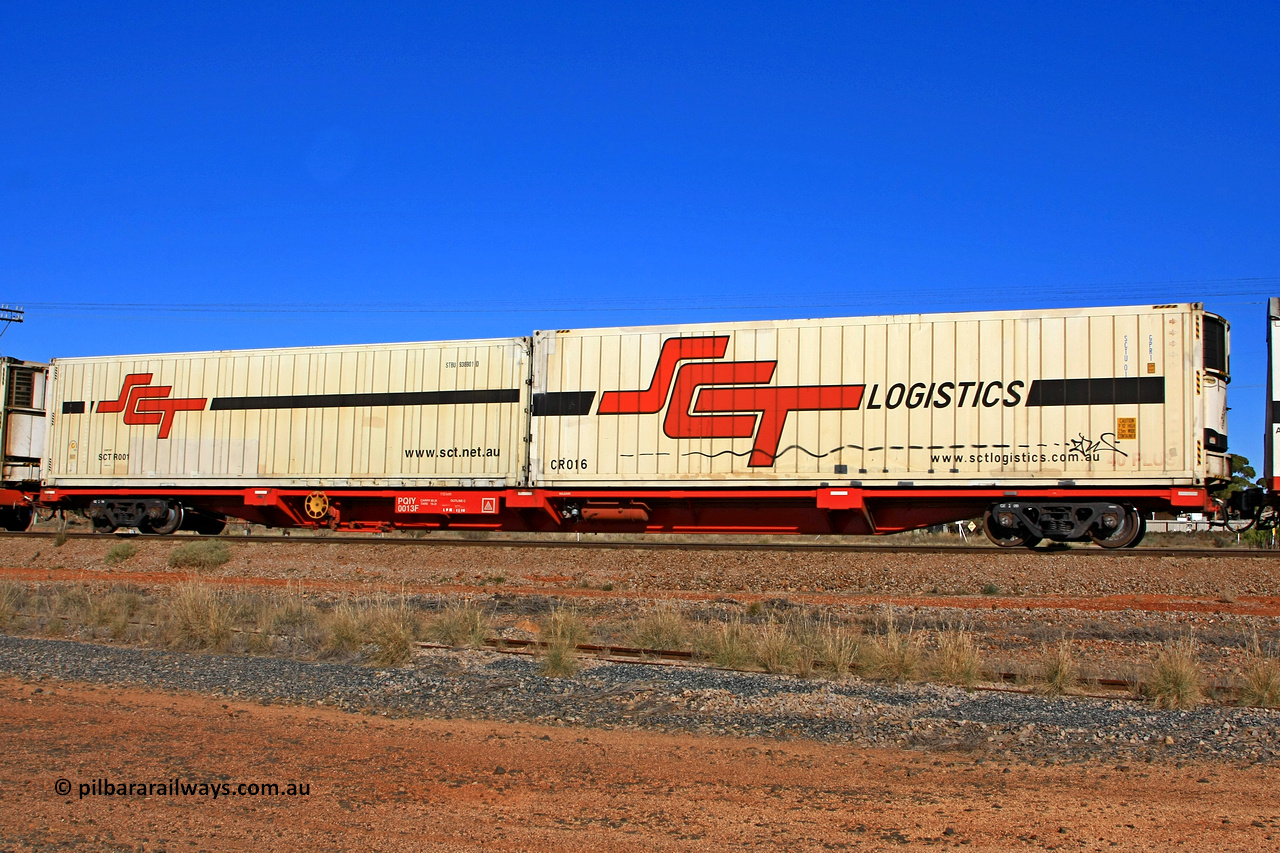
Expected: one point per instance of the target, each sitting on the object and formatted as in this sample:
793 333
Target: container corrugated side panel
300 417
953 399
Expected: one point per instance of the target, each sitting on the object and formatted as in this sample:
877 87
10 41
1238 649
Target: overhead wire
1130 291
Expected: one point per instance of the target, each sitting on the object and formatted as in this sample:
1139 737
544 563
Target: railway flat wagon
349 436
1063 424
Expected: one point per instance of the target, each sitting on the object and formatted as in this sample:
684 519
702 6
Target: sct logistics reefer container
1066 424
161 442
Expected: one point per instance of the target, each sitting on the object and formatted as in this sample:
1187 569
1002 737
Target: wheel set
1018 525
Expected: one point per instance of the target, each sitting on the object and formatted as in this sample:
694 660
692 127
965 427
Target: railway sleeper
1017 523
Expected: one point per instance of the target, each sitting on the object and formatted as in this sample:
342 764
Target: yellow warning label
1151 367
1126 429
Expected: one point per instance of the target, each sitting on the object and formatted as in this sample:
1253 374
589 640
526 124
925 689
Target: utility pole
8 315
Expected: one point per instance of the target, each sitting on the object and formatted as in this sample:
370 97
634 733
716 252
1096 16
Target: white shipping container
22 419
1094 395
445 414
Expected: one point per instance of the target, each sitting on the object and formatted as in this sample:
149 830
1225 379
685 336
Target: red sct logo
733 403
143 403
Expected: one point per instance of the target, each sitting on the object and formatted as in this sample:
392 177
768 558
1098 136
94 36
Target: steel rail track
1011 682
659 545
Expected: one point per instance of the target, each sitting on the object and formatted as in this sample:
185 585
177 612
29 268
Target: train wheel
1006 537
169 523
1142 531
1127 535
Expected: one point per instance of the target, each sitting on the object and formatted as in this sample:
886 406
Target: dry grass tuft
839 647
1176 681
726 644
290 613
392 632
558 659
343 630
1259 683
11 597
565 623
775 649
663 628
461 623
956 659
114 610
205 554
197 617
71 603
563 630
119 553
893 656
1059 670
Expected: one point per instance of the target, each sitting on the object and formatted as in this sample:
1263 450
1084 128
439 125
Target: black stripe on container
561 403
76 408
333 401
1096 392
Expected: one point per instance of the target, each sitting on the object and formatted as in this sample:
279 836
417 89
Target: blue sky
321 173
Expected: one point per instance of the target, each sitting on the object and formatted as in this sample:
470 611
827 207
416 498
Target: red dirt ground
425 784
1238 605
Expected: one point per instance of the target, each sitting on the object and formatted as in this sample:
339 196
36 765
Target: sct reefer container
1079 396
439 415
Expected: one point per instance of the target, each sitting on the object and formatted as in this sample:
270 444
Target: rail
657 544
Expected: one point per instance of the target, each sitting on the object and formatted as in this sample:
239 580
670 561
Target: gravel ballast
487 685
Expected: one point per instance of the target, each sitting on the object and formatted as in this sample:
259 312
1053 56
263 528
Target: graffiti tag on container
1089 447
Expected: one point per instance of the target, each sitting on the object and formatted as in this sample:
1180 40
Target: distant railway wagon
1070 424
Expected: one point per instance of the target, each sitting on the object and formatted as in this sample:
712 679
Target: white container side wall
949 399
296 417
1271 445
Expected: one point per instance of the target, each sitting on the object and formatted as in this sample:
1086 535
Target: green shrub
119 552
204 554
